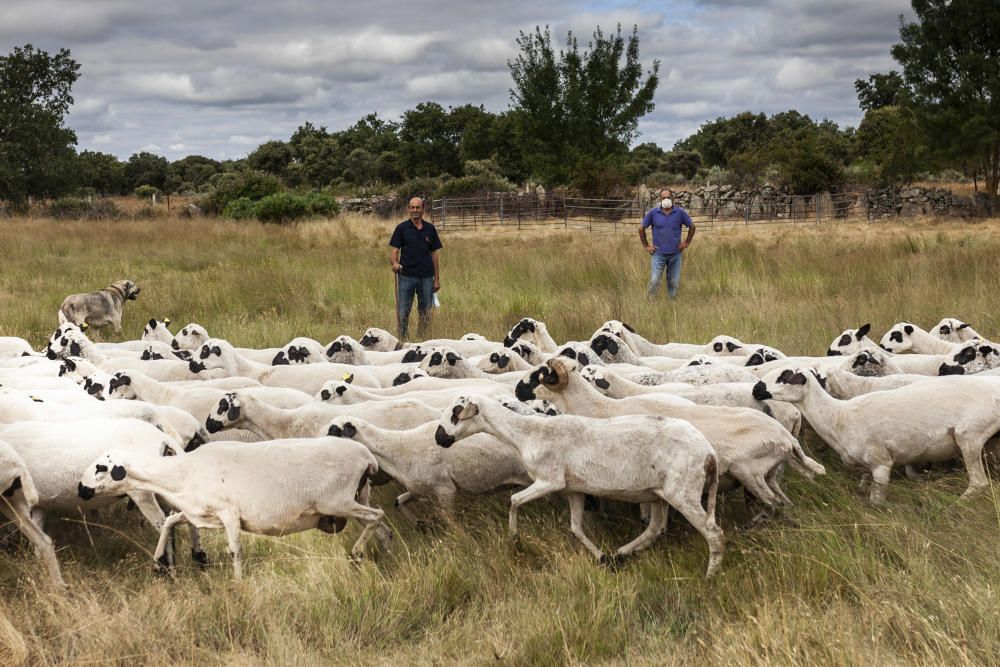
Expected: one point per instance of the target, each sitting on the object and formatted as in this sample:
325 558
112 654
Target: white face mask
667 202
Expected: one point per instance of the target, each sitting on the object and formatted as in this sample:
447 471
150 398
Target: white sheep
436 392
273 488
720 345
908 337
244 411
752 447
11 346
726 394
850 341
919 423
412 458
17 498
500 360
219 355
380 340
954 330
444 362
157 330
637 459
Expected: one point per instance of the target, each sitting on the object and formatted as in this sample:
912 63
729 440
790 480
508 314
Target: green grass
834 581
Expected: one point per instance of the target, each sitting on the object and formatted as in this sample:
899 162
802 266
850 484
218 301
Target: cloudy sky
219 77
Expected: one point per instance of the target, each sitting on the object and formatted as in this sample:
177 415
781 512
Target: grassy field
833 581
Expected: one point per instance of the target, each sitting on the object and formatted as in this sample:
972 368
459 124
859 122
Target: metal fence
552 211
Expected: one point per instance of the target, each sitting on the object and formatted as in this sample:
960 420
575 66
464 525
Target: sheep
966 360
56 454
500 360
843 384
219 355
338 392
533 331
412 458
954 330
611 348
299 351
74 343
850 341
192 336
720 345
380 340
196 401
907 337
157 330
726 394
918 423
346 350
639 459
18 498
751 446
699 374
11 346
274 488
245 411
446 363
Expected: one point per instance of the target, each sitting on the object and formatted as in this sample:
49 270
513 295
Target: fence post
565 213
444 211
501 210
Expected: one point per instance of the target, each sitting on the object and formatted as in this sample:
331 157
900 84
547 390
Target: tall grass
833 581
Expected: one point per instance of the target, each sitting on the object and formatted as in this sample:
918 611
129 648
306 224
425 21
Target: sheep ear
217 351
452 358
717 347
348 378
152 324
166 321
349 430
785 375
963 325
118 473
797 378
908 329
863 331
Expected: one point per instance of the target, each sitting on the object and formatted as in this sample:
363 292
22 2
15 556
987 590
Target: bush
146 191
322 204
468 186
282 208
240 209
75 208
422 186
225 187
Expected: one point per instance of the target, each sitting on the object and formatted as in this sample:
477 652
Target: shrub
282 207
322 204
146 191
240 209
76 208
225 187
422 186
468 186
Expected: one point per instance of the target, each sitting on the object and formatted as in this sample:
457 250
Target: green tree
577 107
880 90
36 150
103 172
722 140
889 146
146 168
950 58
317 157
428 142
192 172
272 157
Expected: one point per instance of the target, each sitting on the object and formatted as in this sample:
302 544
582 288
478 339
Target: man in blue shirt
666 221
415 245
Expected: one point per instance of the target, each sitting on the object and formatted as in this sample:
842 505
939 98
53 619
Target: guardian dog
101 308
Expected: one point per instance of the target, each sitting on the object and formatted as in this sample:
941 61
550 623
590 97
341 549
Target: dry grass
832 582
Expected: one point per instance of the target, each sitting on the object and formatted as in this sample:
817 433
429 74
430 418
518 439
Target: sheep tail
370 470
804 465
711 487
27 488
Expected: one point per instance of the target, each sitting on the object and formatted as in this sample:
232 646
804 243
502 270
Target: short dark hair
662 190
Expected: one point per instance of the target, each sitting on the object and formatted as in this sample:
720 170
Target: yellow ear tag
348 378
166 321
84 326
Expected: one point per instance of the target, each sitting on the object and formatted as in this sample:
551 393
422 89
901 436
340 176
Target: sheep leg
880 484
371 517
163 561
538 489
576 511
146 502
971 446
17 510
232 525
911 473
657 522
197 554
689 505
772 478
382 533
401 501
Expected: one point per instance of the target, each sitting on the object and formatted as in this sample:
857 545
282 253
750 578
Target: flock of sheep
274 441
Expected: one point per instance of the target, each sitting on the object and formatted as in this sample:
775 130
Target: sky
219 77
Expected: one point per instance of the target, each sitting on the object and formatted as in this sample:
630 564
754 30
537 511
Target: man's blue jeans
672 264
407 287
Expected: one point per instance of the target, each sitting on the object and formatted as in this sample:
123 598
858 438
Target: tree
36 150
575 107
317 158
720 140
428 142
880 90
146 168
272 157
889 148
101 171
951 66
191 173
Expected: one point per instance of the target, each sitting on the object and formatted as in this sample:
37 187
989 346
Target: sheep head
455 422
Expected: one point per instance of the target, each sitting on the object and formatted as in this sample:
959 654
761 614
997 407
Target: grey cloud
218 77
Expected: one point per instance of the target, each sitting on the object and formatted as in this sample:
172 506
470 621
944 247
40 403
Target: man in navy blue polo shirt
666 220
415 245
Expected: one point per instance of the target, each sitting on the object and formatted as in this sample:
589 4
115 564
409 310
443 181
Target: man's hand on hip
651 249
682 245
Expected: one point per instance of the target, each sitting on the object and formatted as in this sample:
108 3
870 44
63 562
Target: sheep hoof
357 559
200 558
423 526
